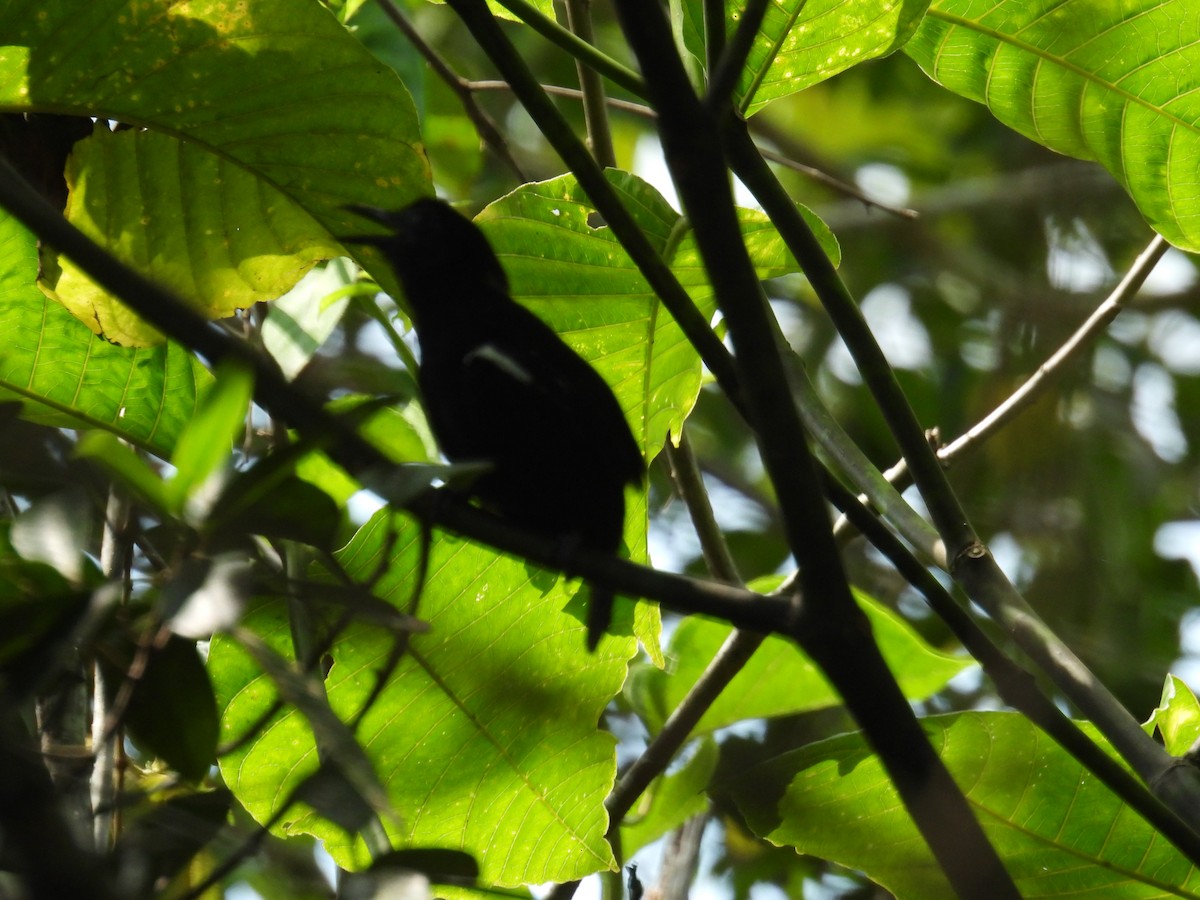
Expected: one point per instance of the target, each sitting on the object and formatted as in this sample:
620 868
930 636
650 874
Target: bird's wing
570 395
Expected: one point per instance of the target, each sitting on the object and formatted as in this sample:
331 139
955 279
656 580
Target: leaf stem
580 49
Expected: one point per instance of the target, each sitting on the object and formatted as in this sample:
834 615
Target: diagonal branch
1037 383
485 126
970 563
830 627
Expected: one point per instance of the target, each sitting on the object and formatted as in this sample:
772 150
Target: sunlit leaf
780 679
485 736
67 377
1111 82
1058 830
804 42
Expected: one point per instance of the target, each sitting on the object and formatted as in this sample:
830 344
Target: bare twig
1040 380
106 744
486 127
640 109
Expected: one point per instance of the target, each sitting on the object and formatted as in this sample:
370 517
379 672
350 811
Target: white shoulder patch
490 353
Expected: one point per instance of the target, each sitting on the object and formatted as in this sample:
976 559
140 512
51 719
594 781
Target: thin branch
714 33
689 484
580 49
1037 384
485 126
836 184
595 115
730 659
114 563
653 761
640 109
1040 380
724 76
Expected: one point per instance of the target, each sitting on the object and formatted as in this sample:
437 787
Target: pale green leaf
67 377
804 42
485 737
212 232
1177 717
207 441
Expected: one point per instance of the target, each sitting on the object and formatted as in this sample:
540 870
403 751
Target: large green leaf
1059 831
779 679
66 376
804 42
1112 82
485 736
580 280
264 112
217 234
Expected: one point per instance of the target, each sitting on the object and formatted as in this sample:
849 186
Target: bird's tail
599 615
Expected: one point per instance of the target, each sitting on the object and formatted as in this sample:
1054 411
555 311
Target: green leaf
1058 830
486 734
67 377
207 442
171 712
256 95
1177 717
779 679
671 800
804 42
216 234
1111 82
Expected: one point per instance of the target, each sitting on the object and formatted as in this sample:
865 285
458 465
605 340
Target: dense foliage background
225 642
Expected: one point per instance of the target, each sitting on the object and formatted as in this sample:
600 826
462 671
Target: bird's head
431 246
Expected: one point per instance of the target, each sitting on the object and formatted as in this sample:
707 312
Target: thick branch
831 628
968 559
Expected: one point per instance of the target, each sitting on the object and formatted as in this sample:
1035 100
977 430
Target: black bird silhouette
500 386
